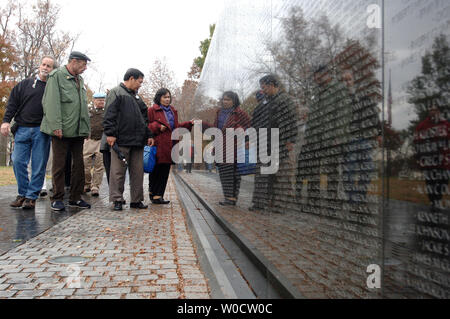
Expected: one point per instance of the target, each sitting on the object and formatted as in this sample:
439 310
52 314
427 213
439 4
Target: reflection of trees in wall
432 86
337 169
429 88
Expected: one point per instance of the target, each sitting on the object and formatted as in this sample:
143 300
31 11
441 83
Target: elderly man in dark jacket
125 124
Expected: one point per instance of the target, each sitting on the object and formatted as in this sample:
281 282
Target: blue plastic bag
247 168
149 158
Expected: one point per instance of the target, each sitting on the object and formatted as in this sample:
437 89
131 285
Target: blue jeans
30 142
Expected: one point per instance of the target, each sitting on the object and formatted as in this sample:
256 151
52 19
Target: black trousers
157 180
230 180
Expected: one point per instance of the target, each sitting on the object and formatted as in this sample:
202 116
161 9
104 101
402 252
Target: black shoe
80 204
160 201
117 206
228 202
58 206
139 205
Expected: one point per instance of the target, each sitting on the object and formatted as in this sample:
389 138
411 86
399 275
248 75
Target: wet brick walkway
130 254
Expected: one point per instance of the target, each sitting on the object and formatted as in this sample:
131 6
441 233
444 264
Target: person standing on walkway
125 124
163 120
91 149
66 119
25 106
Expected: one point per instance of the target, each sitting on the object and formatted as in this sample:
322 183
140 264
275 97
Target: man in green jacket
66 119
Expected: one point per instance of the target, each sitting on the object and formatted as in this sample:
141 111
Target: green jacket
65 106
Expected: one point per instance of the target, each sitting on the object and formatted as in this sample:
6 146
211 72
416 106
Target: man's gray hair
55 63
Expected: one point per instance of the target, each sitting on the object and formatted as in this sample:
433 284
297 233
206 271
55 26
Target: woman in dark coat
163 120
230 115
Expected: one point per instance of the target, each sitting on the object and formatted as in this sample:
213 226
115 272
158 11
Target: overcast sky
118 35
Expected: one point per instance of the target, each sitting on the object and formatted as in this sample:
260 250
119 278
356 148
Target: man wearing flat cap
66 119
93 159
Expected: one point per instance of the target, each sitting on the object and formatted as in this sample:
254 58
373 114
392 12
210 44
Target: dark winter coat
126 118
163 140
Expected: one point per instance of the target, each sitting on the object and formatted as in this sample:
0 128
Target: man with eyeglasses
25 107
66 119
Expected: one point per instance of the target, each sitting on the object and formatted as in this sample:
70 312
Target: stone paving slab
131 254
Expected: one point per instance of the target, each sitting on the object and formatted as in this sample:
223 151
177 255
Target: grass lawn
7 176
407 190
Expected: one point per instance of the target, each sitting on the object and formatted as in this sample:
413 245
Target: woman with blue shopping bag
163 120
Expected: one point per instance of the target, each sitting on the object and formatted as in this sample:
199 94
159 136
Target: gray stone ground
131 254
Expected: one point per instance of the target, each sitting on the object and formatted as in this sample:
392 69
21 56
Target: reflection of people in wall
27 226
431 139
192 156
260 119
359 158
229 116
312 174
282 115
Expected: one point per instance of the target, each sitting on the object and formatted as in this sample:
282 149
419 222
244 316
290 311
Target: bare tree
37 35
304 46
160 76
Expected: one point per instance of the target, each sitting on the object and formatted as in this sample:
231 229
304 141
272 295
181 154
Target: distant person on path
93 159
66 118
162 121
25 106
125 125
192 156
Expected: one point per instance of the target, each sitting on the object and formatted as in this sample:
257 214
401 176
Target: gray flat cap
79 56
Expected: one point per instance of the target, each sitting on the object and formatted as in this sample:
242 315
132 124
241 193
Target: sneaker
118 206
18 202
139 205
58 206
80 204
29 204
